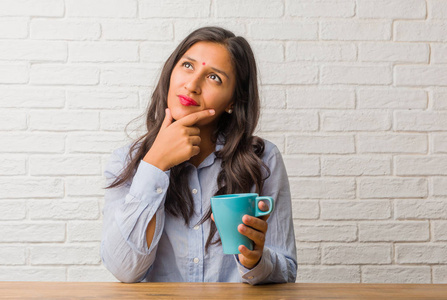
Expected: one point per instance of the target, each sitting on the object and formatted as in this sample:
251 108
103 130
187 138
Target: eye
216 78
187 65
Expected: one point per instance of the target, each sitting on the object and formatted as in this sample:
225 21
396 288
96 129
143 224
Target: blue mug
228 211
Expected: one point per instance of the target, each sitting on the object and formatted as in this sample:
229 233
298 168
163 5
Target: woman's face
202 79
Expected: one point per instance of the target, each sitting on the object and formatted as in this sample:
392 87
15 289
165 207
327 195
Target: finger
256 236
195 150
193 118
255 223
195 140
263 205
254 255
212 217
192 130
167 120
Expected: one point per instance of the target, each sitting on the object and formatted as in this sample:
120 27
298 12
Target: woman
157 220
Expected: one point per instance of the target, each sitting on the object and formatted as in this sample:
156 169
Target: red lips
186 101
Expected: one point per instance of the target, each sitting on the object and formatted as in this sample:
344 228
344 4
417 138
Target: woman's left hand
255 228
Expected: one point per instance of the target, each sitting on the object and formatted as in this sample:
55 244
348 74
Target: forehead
213 54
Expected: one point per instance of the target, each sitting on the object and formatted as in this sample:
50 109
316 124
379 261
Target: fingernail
212 111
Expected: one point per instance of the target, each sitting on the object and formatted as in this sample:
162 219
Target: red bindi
203 63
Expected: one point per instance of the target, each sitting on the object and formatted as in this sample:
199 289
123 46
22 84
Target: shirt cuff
149 182
262 270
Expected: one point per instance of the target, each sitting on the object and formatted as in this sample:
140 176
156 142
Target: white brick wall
354 94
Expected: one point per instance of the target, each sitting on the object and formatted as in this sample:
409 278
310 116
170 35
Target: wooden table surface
114 290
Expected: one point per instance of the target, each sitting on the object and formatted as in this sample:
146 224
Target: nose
193 85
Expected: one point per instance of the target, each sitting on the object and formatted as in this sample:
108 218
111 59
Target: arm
127 212
278 262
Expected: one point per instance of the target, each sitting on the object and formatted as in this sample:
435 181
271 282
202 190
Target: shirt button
250 277
196 227
159 190
194 191
196 260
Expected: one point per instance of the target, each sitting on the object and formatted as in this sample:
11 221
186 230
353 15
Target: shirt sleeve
278 263
127 211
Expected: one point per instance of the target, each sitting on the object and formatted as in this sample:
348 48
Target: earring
230 111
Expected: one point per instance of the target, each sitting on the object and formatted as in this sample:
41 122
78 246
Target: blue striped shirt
177 252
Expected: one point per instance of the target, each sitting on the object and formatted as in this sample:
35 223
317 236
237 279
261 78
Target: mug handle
258 212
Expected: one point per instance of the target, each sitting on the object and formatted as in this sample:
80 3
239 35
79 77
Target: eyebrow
217 70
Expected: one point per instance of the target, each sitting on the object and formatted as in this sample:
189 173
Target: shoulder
271 151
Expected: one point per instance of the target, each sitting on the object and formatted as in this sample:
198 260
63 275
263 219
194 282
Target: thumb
168 119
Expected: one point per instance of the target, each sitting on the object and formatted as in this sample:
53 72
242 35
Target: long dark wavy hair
240 156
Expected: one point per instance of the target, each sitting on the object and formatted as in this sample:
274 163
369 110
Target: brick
33 51
320 98
64 30
101 8
28 97
369 75
439 143
299 51
305 210
392 187
130 76
248 9
63 120
12 120
439 186
357 254
420 31
307 254
395 9
67 209
35 8
355 210
420 121
102 99
302 165
14 73
325 232
273 97
420 75
13 28
316 9
12 210
392 143
12 165
65 165
104 52
439 100
396 274
137 30
396 231
288 73
420 209
439 230
183 27
421 165
64 74
31 188
32 143
116 121
284 30
356 30
320 144
395 98
276 139
355 165
421 254
84 186
394 52
12 255
90 274
268 51
359 120
155 52
64 255
283 120
438 53
328 274
173 9
89 231
94 143
323 188
439 274
18 273
437 9
32 232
